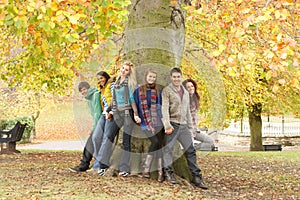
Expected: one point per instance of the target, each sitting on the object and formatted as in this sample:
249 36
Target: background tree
46 43
255 45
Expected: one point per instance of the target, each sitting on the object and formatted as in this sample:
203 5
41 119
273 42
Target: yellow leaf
40 16
268 54
75 35
54 6
275 88
277 14
283 56
43 9
95 46
281 81
279 37
73 19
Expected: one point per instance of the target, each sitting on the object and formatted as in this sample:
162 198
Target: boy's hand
169 131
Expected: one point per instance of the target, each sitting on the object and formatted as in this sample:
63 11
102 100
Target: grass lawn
230 175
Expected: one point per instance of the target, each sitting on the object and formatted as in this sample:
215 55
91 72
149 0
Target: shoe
78 168
124 174
170 178
198 182
101 172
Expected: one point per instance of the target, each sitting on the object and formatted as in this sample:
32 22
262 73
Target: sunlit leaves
49 33
255 45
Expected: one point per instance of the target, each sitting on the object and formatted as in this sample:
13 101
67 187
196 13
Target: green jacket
93 99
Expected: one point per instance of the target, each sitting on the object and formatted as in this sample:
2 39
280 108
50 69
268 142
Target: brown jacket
174 109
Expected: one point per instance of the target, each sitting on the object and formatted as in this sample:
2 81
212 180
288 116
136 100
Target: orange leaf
30 29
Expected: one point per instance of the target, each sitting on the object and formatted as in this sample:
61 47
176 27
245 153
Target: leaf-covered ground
45 175
246 175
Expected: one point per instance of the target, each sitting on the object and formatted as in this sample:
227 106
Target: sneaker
78 169
101 172
124 174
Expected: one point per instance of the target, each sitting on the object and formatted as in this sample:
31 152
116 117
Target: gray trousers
181 134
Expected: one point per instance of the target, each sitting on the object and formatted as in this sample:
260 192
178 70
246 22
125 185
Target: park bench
272 147
9 138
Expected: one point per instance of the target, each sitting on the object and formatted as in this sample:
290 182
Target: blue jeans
110 133
97 138
183 135
105 151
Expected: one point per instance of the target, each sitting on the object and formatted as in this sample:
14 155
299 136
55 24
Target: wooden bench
272 147
9 138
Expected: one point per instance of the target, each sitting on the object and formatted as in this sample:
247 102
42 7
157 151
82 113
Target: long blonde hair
131 76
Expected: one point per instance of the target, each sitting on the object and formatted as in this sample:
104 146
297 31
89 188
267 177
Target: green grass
282 156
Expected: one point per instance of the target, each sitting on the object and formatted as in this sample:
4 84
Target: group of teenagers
169 113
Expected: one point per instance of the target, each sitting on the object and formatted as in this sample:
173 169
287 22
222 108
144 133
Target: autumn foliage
255 45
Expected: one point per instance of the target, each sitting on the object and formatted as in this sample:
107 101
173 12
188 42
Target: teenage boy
178 126
92 96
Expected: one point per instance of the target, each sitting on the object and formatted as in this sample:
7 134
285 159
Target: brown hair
83 85
143 87
195 97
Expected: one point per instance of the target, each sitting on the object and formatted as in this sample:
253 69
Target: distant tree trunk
255 122
154 37
34 117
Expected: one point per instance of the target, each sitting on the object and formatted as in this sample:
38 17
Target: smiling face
101 80
190 88
125 70
84 91
151 78
176 79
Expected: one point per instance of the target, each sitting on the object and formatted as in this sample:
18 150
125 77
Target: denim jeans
183 135
97 138
109 136
105 151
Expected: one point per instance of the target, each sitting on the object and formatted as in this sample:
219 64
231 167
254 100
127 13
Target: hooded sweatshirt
93 99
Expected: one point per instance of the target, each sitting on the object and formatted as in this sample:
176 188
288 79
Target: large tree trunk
154 37
255 122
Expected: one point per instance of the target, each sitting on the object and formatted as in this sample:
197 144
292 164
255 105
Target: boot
160 171
147 166
198 182
170 177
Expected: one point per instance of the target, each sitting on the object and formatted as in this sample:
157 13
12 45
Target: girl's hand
137 119
108 116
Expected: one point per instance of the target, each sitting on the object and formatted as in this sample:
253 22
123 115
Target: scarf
193 108
150 116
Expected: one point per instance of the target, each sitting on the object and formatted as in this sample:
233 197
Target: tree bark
154 37
255 122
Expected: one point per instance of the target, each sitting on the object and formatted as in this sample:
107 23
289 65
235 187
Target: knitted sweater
174 109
